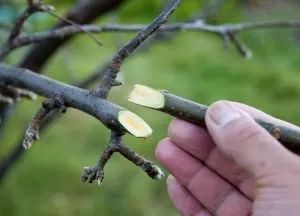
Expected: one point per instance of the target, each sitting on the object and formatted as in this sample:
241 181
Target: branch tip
153 171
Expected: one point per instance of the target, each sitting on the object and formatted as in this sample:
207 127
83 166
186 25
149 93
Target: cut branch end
146 96
134 124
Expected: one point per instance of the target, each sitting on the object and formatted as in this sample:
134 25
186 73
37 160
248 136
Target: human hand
234 168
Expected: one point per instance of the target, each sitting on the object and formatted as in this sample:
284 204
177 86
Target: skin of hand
234 168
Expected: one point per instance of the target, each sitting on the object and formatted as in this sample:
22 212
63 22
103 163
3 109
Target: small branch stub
195 113
32 133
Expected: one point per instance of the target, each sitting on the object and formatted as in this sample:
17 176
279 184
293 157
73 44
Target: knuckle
243 132
219 102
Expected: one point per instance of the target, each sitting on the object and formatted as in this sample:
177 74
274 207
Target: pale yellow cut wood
134 124
145 96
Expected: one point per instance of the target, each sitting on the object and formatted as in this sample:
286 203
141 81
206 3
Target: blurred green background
194 65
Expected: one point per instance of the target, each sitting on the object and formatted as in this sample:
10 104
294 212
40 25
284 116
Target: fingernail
223 113
171 180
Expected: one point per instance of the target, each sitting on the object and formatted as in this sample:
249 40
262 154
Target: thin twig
112 70
33 7
228 31
72 23
83 12
8 46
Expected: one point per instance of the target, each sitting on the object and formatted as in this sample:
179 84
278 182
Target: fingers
258 114
197 142
212 191
239 137
184 200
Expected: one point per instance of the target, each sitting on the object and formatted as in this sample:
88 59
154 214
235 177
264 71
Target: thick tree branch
108 80
111 115
195 113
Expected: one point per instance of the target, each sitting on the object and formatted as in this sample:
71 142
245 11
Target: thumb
240 138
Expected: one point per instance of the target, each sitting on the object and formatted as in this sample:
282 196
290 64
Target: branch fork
96 173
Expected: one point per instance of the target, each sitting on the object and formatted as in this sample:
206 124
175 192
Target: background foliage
193 65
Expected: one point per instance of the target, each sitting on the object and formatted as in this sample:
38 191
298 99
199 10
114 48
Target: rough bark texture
77 98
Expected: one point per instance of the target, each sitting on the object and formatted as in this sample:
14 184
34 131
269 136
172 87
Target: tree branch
195 113
113 68
112 116
227 31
